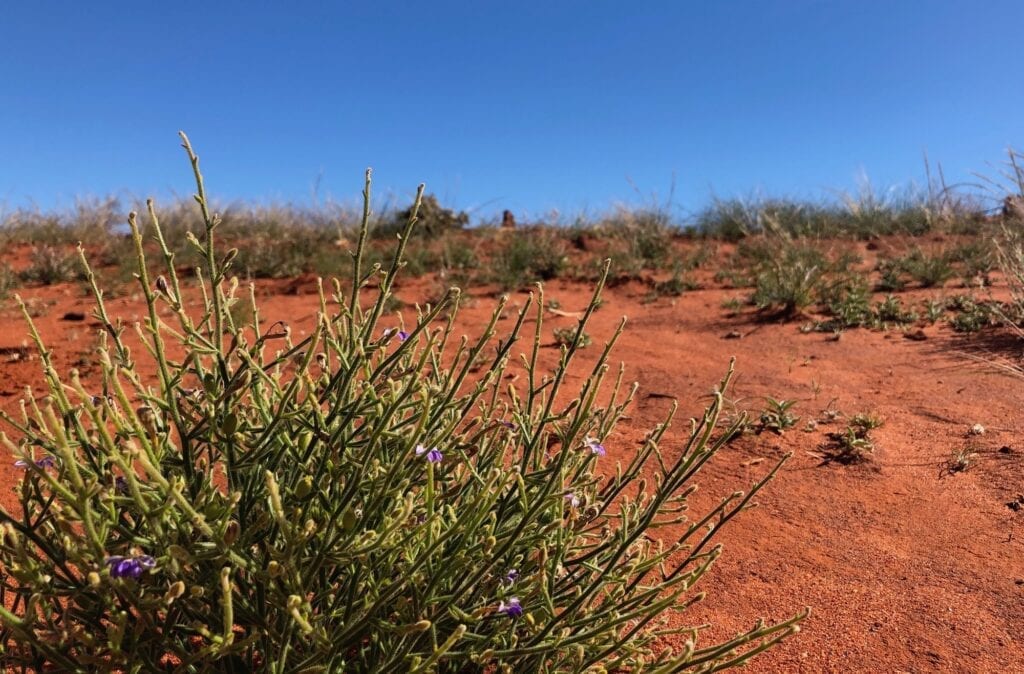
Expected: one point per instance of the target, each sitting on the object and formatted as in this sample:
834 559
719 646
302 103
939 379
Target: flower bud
174 591
231 532
304 487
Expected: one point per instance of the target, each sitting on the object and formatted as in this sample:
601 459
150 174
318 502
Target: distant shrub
51 264
433 219
526 256
347 501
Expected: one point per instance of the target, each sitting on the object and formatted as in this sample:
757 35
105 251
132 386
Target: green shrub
350 501
526 256
928 269
791 281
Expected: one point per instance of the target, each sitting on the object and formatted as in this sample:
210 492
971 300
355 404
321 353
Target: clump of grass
928 269
345 501
791 281
527 256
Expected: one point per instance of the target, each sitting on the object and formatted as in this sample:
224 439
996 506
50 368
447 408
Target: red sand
905 566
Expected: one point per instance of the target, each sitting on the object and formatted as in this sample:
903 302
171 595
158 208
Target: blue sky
527 106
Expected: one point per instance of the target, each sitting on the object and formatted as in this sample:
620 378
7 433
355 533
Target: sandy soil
906 566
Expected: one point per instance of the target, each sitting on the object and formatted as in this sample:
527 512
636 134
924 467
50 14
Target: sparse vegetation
341 501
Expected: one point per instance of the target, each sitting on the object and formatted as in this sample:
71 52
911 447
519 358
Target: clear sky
520 105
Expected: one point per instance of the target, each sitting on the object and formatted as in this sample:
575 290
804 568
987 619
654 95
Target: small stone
916 335
977 429
73 316
733 334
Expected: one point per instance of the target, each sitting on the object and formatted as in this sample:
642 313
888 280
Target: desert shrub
51 264
642 240
526 256
350 501
928 269
434 219
8 281
791 280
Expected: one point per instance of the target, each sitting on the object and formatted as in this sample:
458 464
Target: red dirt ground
907 567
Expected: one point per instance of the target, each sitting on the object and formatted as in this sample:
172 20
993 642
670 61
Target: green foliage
776 415
970 315
928 269
790 281
854 444
350 501
526 256
568 337
891 310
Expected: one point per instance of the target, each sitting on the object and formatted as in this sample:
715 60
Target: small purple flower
45 462
511 577
594 446
508 424
573 499
120 485
433 454
401 334
512 609
129 567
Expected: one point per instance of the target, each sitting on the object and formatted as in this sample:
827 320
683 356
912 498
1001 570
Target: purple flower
594 446
120 485
512 609
45 462
511 577
573 499
508 424
129 567
401 334
433 455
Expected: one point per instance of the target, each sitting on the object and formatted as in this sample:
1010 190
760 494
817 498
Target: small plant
776 416
849 304
347 501
566 337
854 444
675 286
934 310
891 310
865 422
970 315
960 460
